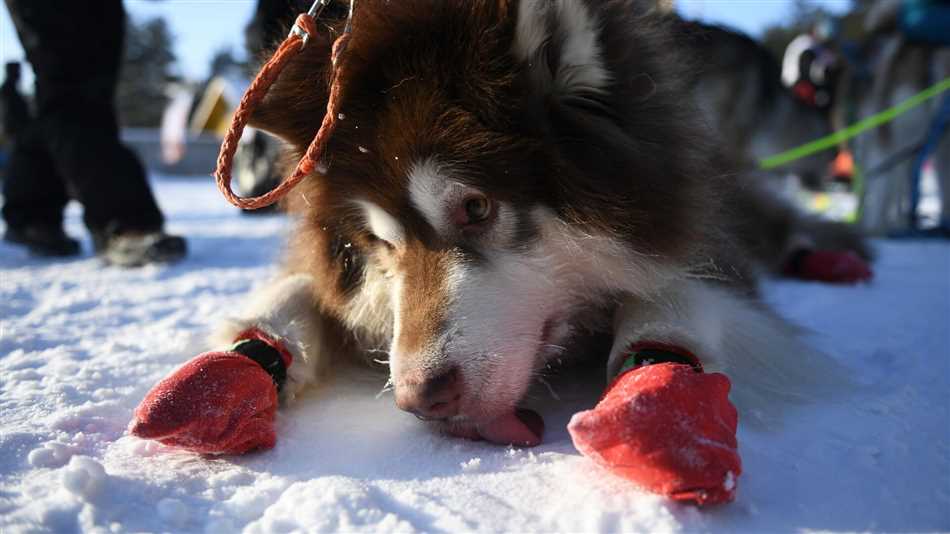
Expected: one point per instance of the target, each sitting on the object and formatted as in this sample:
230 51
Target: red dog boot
834 266
667 426
219 402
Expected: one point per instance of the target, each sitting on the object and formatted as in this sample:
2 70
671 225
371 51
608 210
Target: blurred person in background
927 23
811 64
910 40
14 110
811 69
70 147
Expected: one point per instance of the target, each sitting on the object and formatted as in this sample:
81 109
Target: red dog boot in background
219 402
667 426
834 266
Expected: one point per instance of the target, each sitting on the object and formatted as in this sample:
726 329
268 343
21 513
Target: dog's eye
478 209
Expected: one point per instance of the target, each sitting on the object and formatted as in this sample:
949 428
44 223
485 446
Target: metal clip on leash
295 42
315 11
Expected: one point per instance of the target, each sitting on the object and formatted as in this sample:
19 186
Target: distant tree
224 62
146 72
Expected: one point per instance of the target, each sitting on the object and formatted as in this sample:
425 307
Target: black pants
71 148
271 21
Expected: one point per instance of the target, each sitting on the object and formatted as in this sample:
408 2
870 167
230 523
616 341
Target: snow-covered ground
80 345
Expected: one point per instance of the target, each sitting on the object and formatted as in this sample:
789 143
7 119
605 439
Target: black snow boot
134 249
47 241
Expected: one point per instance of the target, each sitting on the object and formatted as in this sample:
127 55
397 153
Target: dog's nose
431 398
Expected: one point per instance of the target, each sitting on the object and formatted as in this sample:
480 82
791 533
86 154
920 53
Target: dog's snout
432 397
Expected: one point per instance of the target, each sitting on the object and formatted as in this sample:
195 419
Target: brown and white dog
510 179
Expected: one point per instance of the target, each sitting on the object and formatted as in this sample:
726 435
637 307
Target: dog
512 183
737 83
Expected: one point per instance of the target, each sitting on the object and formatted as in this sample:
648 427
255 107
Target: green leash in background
854 130
833 140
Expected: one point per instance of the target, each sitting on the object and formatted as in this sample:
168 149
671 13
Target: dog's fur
612 214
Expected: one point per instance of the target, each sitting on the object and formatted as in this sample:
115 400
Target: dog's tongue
522 427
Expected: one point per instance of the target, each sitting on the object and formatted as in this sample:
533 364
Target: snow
80 345
84 477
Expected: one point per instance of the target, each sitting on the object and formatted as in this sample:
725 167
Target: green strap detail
855 129
630 362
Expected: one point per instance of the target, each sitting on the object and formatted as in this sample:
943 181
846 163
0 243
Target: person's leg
34 197
76 74
940 69
942 163
34 193
16 112
935 134
107 177
75 49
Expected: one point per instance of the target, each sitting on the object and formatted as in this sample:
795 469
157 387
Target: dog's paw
833 266
669 429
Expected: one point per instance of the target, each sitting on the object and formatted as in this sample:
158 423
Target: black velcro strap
651 356
266 356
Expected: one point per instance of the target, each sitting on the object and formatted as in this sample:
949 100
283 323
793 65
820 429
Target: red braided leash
292 45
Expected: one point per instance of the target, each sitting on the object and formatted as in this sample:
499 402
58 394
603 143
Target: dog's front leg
225 401
727 332
664 422
687 317
285 312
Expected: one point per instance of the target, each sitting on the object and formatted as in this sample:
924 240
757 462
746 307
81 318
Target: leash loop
304 31
295 42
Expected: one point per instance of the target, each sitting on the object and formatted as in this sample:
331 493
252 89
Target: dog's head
499 166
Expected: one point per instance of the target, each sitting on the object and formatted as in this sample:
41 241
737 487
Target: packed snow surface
80 344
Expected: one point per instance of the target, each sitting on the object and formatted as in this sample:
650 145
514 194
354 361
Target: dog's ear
572 90
295 105
560 42
603 87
